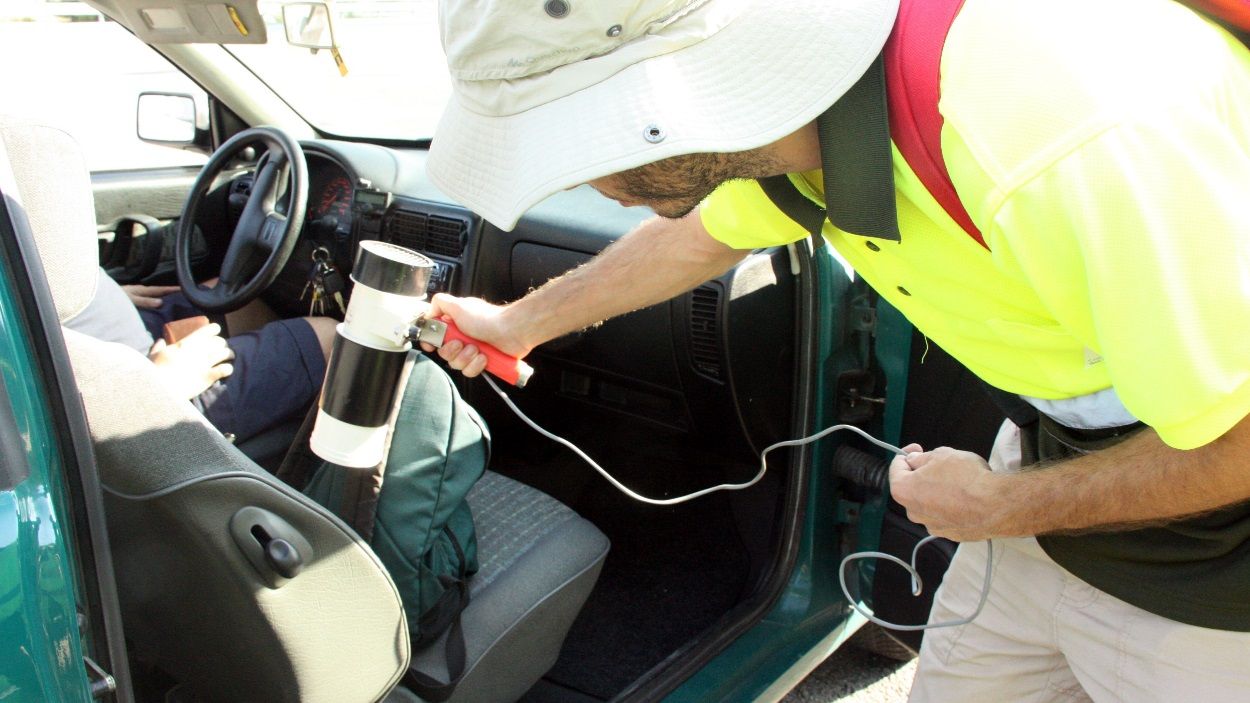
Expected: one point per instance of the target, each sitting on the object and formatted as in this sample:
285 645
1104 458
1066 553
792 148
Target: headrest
53 187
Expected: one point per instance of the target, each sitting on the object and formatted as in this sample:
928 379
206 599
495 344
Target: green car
112 589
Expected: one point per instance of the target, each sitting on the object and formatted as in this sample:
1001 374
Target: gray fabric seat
187 513
539 562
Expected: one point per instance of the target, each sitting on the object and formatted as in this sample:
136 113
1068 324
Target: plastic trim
90 534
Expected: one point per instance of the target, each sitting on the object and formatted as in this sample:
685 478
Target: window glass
396 80
65 65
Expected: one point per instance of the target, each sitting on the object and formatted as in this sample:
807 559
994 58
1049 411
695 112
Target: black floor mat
665 580
671 572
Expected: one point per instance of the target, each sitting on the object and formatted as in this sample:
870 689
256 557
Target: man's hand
950 492
659 259
189 366
148 297
482 321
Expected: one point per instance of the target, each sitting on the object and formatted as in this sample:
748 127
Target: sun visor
190 21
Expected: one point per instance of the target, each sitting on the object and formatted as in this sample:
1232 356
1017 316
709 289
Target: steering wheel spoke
271 231
263 237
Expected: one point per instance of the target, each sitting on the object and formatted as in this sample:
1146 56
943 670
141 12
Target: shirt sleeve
1138 241
739 214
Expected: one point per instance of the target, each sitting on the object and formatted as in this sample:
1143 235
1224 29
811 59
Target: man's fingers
220 371
142 301
898 468
468 361
477 366
443 304
219 354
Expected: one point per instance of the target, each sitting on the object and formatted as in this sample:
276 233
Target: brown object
179 329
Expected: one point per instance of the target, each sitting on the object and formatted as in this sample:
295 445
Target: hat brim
767 73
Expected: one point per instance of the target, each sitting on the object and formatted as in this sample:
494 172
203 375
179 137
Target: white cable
697 494
916 584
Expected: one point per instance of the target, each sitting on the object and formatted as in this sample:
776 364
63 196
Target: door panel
156 193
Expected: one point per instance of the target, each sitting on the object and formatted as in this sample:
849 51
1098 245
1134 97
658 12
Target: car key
333 285
312 276
317 304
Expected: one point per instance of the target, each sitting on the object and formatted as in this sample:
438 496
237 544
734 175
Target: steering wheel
264 238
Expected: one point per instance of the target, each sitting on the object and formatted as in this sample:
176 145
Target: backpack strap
1233 15
896 100
856 163
444 615
913 58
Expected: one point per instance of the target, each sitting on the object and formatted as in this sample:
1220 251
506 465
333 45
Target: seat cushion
539 562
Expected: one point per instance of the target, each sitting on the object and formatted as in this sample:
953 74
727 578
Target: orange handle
503 366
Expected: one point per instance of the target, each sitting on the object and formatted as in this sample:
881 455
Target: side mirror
308 25
166 118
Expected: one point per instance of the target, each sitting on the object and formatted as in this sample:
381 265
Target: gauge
335 198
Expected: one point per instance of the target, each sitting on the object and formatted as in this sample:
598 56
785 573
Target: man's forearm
657 261
1137 482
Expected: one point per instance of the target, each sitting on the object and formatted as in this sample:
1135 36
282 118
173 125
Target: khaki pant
1045 635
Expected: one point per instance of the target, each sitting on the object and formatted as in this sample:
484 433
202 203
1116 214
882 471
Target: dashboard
346 206
703 369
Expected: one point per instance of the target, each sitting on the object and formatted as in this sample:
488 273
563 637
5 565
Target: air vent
427 233
705 348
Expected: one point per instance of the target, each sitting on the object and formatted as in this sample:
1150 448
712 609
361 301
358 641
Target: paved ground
855 676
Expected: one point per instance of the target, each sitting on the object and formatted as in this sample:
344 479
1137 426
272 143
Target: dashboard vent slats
705 347
427 233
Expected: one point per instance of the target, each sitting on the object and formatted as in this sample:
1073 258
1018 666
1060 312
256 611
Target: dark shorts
278 371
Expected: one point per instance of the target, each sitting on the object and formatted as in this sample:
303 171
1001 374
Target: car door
60 630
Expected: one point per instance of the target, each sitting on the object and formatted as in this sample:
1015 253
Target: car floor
672 570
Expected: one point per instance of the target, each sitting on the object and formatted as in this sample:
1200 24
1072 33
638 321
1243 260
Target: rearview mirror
166 118
308 25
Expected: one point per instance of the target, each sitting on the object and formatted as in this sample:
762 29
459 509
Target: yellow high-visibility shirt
1103 149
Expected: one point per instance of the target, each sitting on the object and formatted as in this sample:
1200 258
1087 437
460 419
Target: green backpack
414 513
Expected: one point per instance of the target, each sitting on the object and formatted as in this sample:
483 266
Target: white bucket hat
550 94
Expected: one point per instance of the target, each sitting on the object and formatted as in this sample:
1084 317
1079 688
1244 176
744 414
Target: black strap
1016 409
431 689
299 463
447 610
361 490
856 162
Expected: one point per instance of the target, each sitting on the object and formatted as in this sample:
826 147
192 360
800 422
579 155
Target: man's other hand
192 364
480 320
148 297
950 492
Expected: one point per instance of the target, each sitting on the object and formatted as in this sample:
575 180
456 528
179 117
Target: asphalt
856 676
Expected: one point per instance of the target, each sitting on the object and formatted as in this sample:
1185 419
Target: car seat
190 521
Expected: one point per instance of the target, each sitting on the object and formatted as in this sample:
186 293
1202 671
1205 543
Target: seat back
188 516
228 580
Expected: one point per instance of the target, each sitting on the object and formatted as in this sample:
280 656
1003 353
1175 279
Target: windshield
396 82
